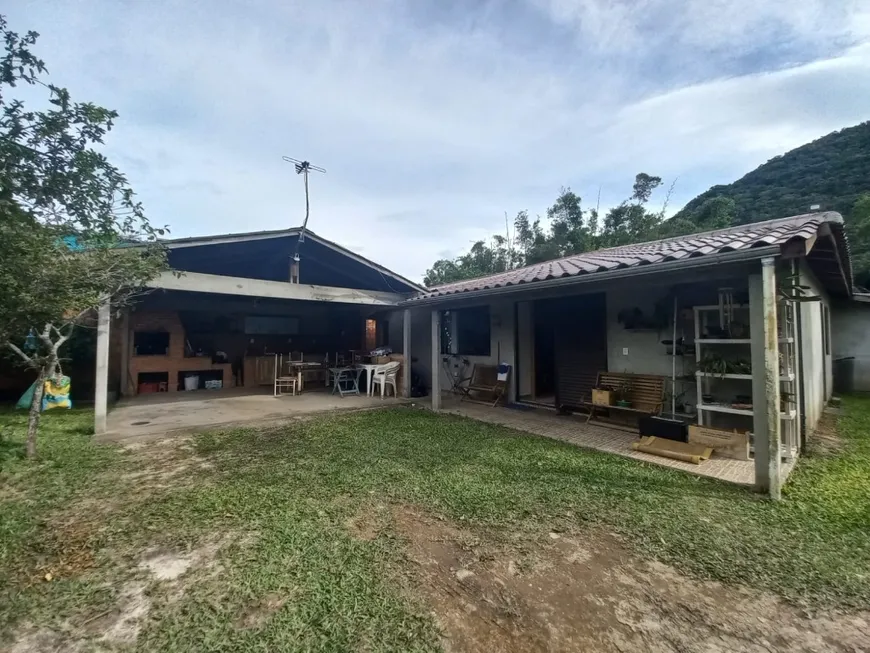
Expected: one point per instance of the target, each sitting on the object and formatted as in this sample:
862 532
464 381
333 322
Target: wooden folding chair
487 379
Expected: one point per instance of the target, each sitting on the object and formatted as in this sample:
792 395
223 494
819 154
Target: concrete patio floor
573 429
161 414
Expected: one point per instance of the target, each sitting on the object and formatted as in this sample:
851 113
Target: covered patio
253 326
158 415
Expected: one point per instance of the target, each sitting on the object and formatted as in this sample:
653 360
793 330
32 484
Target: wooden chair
645 392
485 379
284 381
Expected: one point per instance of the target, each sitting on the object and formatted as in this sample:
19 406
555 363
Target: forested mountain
831 172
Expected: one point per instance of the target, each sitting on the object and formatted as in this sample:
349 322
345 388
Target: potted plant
675 400
623 392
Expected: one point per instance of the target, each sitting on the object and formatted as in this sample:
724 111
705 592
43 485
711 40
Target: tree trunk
36 405
35 412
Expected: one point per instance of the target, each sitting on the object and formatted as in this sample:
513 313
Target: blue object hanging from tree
30 342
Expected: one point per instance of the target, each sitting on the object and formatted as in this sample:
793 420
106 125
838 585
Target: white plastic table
369 369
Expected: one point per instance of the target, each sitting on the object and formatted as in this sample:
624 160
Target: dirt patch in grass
169 565
159 575
124 624
585 591
825 441
68 552
42 640
257 614
368 522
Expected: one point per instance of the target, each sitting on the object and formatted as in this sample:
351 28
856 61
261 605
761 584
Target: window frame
455 337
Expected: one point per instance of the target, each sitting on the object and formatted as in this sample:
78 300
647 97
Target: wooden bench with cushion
484 380
646 392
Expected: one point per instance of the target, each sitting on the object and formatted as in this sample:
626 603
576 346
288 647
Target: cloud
715 25
433 122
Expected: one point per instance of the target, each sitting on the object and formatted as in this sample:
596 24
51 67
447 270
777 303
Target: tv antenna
302 168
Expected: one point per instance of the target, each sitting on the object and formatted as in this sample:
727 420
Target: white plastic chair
386 375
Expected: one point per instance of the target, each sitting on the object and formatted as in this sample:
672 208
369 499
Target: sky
435 118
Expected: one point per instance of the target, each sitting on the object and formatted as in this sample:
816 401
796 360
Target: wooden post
406 352
436 360
101 384
765 379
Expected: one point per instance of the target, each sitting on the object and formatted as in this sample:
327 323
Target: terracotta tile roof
759 234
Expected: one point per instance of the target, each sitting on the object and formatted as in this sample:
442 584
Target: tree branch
44 336
27 359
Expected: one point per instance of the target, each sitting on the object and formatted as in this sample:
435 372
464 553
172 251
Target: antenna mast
302 168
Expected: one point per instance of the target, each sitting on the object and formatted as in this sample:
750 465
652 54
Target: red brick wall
175 361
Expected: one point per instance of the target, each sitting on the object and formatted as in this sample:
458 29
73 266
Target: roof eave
222 239
753 253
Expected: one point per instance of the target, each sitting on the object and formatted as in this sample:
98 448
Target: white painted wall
645 353
501 315
816 370
851 337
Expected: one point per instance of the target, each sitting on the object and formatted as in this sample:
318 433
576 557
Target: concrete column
406 351
765 379
101 385
436 360
125 354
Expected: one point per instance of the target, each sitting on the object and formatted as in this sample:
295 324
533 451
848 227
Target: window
466 331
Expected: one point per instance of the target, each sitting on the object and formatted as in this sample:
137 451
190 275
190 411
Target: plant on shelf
713 364
717 365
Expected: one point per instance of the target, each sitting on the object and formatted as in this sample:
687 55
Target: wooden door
580 344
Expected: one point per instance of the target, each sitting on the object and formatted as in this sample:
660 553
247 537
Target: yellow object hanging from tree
56 393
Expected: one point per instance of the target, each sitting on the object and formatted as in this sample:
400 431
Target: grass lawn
270 509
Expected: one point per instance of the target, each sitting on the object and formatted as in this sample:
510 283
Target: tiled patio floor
573 429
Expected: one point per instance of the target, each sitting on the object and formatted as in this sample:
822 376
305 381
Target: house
850 324
756 296
560 323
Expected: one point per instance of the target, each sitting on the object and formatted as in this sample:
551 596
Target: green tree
534 243
569 229
72 235
630 221
714 213
481 259
858 231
